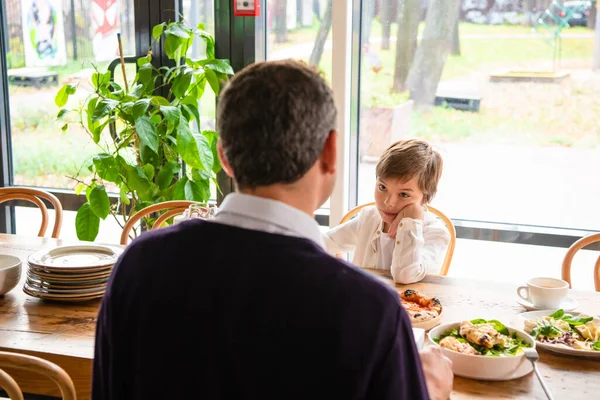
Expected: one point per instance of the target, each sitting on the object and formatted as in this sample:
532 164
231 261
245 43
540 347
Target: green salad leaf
596 346
545 328
570 319
513 344
498 326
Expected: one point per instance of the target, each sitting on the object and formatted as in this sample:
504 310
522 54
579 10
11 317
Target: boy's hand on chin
414 211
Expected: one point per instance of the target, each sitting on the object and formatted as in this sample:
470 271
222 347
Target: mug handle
520 289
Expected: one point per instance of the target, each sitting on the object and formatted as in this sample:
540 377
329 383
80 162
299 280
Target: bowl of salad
484 349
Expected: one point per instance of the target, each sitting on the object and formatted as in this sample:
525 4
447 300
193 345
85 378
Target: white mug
547 293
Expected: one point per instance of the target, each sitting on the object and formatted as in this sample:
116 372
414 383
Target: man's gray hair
273 119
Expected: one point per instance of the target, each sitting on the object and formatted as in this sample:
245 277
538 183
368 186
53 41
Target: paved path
548 186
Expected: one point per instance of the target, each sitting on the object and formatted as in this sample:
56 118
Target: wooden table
59 332
567 377
64 333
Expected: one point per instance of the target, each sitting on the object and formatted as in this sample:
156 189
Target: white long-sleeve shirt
418 249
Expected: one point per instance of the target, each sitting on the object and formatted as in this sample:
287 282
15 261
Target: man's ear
329 154
223 159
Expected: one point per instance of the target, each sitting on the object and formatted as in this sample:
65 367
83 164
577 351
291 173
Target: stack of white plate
70 273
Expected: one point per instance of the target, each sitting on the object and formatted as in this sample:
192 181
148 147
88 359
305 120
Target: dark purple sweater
209 311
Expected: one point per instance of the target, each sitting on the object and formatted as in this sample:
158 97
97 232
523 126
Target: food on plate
420 308
452 343
580 332
482 337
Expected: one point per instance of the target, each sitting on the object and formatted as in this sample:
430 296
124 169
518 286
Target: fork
532 355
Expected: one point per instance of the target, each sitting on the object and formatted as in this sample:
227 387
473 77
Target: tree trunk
528 6
366 21
455 42
324 28
431 55
591 21
387 18
409 16
280 21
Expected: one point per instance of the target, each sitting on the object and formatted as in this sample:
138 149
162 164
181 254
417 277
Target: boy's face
392 195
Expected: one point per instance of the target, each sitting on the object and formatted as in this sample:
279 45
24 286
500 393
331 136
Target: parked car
579 11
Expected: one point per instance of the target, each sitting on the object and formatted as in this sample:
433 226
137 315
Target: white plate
75 257
568 304
484 367
519 322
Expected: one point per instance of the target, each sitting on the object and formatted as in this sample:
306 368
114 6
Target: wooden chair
575 247
173 207
24 362
439 214
35 196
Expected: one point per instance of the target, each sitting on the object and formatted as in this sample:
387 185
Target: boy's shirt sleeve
343 238
419 249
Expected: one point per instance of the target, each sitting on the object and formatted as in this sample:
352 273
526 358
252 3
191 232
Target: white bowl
484 367
10 273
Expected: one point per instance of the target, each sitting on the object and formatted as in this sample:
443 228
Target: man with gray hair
276 316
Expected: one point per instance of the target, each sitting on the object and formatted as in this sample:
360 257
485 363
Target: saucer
568 304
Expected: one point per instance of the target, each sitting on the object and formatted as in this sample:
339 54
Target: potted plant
384 119
158 151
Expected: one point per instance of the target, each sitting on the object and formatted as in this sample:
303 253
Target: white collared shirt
266 215
418 249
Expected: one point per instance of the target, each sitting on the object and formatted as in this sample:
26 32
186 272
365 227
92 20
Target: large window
516 104
50 43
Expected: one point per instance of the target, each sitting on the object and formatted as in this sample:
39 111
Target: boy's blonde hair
411 158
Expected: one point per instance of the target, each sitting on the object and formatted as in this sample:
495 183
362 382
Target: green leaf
104 108
107 167
165 175
160 101
209 40
61 113
87 223
213 81
147 133
172 46
145 60
576 321
137 179
100 80
179 189
172 115
192 111
157 31
79 188
193 148
177 29
99 202
196 191
63 95
217 65
64 127
149 171
498 326
558 314
123 194
145 77
181 83
140 107
597 346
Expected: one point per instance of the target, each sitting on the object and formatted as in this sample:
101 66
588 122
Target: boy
399 233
